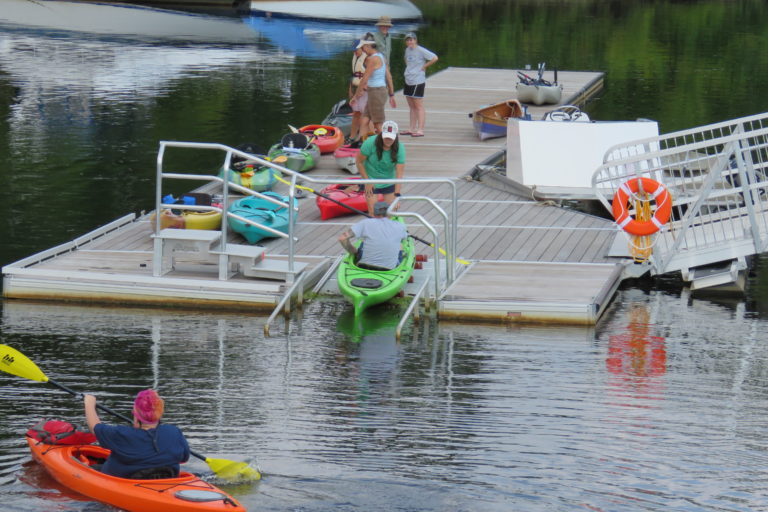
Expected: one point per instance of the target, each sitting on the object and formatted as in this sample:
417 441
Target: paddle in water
14 362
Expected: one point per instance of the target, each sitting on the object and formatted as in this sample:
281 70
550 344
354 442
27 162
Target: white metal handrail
229 152
718 178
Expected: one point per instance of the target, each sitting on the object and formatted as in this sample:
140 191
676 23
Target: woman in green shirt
382 158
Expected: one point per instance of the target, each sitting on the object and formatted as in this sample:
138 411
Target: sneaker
355 144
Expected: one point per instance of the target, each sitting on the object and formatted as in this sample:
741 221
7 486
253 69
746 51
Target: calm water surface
661 406
650 411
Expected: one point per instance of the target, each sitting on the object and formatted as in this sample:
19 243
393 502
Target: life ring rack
629 190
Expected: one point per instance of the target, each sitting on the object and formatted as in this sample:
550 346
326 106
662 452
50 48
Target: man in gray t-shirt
381 239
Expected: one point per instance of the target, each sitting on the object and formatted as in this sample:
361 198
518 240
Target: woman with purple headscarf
148 449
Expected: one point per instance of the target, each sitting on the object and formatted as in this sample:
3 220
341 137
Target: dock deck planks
531 261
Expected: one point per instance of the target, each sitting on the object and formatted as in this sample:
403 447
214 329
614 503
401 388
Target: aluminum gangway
718 178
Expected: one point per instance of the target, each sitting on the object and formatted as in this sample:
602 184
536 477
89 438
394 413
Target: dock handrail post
453 243
410 308
447 228
285 302
437 243
157 254
223 256
747 176
291 218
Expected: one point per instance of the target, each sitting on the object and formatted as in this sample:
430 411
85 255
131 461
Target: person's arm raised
91 416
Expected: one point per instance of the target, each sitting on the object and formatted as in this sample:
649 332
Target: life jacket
358 68
59 432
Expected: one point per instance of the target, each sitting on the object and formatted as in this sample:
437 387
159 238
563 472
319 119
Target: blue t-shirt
382 238
134 448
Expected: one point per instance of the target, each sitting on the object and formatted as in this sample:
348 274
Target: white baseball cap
363 42
389 130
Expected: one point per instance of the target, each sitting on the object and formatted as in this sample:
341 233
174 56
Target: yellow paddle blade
442 251
14 362
278 178
320 132
233 471
280 159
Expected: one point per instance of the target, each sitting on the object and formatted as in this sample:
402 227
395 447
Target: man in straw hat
383 38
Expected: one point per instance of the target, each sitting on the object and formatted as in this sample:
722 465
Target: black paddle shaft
108 410
360 212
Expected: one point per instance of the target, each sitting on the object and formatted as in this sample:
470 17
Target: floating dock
523 260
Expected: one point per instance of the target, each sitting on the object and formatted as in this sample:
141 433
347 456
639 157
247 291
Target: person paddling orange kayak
147 449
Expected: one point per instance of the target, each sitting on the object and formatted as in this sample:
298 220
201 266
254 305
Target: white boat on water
123 20
340 10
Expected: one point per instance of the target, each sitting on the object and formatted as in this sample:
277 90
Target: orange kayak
70 465
327 138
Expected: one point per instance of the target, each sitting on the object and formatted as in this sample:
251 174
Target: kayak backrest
366 282
294 141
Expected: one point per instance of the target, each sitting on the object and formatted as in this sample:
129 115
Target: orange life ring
660 217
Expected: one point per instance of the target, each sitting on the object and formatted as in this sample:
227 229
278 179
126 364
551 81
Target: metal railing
718 178
413 307
293 177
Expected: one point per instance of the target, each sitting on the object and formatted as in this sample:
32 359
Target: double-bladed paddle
14 362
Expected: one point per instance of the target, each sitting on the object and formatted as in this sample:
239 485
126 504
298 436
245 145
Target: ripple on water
467 418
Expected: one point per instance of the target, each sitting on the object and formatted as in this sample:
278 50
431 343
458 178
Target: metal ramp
718 179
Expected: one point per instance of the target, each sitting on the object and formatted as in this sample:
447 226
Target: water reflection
314 39
87 72
377 323
637 352
86 19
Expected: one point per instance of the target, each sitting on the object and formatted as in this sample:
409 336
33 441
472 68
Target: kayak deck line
502 233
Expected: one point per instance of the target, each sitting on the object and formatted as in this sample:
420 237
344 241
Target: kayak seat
364 282
154 473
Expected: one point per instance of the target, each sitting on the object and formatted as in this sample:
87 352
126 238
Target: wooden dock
528 261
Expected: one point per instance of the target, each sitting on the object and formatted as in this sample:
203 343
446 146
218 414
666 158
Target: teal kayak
262 211
365 288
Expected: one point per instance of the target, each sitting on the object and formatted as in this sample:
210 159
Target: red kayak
348 194
327 138
70 465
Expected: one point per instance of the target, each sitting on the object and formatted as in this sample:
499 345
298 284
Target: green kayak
365 288
300 151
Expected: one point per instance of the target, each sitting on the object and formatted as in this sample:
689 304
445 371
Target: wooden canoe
491 121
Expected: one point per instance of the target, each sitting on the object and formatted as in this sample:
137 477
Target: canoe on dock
491 121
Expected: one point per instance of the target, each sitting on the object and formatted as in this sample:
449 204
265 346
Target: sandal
406 132
417 134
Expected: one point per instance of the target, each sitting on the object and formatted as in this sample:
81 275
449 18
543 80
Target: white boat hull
539 94
340 10
123 20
